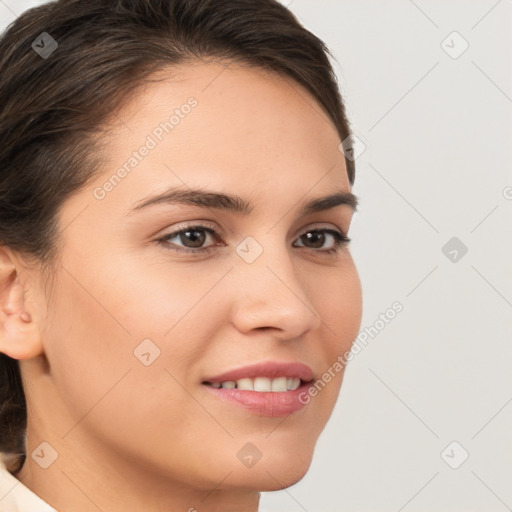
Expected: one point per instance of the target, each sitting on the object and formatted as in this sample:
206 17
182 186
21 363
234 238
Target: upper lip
270 369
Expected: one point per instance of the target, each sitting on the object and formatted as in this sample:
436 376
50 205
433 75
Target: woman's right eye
192 239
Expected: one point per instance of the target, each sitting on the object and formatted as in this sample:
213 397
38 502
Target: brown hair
52 108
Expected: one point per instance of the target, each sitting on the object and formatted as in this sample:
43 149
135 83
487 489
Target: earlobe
20 335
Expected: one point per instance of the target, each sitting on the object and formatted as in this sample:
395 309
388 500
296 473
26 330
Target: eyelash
340 239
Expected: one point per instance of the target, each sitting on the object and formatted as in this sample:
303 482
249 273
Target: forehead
234 103
228 127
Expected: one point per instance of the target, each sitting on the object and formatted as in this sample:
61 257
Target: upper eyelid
198 225
206 226
210 227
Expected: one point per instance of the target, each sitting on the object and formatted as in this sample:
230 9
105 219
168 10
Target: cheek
338 301
109 321
337 298
87 347
160 297
340 307
108 392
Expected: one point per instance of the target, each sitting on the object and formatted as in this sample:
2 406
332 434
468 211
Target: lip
272 403
270 369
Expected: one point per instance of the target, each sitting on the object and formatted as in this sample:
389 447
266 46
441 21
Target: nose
270 296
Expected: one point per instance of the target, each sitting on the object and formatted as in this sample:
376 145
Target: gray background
437 133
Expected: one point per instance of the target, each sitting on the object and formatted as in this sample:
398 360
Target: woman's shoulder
17 497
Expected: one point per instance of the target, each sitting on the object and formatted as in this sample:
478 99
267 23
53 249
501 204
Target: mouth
266 389
260 384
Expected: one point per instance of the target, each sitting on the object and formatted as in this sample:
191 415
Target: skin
131 437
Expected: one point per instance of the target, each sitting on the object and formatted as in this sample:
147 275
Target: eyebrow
235 204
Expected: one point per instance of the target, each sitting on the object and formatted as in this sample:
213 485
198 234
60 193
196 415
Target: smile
260 384
265 389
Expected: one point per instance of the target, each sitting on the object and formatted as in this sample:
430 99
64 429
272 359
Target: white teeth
245 384
295 383
261 384
279 384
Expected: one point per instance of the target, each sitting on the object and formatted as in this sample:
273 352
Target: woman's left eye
318 237
192 239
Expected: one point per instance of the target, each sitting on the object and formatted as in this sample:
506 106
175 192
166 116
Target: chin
273 474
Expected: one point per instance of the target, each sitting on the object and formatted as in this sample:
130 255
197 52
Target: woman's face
145 324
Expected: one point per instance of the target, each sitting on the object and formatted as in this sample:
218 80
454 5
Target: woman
175 274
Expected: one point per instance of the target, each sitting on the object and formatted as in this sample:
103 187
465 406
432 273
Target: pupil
196 238
317 239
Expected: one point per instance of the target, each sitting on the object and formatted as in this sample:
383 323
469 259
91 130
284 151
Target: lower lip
263 403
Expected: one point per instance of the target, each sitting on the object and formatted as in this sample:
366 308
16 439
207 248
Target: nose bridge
272 295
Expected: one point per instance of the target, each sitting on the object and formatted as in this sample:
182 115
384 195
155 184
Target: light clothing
17 497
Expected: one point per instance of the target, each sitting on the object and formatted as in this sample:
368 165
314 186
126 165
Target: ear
20 334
